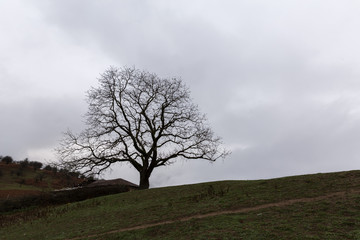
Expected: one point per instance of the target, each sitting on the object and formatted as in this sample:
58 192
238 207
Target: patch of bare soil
241 210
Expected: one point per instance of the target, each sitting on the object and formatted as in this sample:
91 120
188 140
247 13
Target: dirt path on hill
241 210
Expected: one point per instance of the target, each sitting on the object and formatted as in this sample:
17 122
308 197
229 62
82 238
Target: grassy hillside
320 206
17 180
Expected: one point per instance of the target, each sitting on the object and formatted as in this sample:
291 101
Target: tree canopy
139 118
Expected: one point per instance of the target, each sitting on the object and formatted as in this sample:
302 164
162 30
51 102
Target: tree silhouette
7 159
139 118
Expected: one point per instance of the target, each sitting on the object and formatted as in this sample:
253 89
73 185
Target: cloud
278 81
36 125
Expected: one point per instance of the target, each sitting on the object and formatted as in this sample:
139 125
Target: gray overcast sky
278 80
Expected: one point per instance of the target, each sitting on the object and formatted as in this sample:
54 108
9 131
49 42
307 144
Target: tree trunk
144 181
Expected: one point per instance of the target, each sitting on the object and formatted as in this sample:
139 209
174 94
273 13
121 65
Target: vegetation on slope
320 206
24 178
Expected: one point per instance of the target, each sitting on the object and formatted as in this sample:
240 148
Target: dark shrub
7 159
35 165
48 168
63 170
75 174
24 163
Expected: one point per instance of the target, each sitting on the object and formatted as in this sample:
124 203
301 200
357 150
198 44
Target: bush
24 164
63 170
48 168
7 160
75 174
35 165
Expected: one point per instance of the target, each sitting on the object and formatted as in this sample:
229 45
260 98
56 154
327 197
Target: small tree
24 164
54 169
138 118
48 168
36 165
7 159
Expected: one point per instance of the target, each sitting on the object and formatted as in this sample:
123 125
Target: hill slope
17 180
320 206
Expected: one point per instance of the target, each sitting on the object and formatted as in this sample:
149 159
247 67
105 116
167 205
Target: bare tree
137 117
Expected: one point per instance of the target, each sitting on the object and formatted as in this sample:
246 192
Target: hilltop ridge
19 179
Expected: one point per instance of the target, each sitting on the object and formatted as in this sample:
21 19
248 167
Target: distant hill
24 185
19 179
317 206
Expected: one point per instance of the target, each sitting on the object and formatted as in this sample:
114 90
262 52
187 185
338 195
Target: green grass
330 219
337 217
